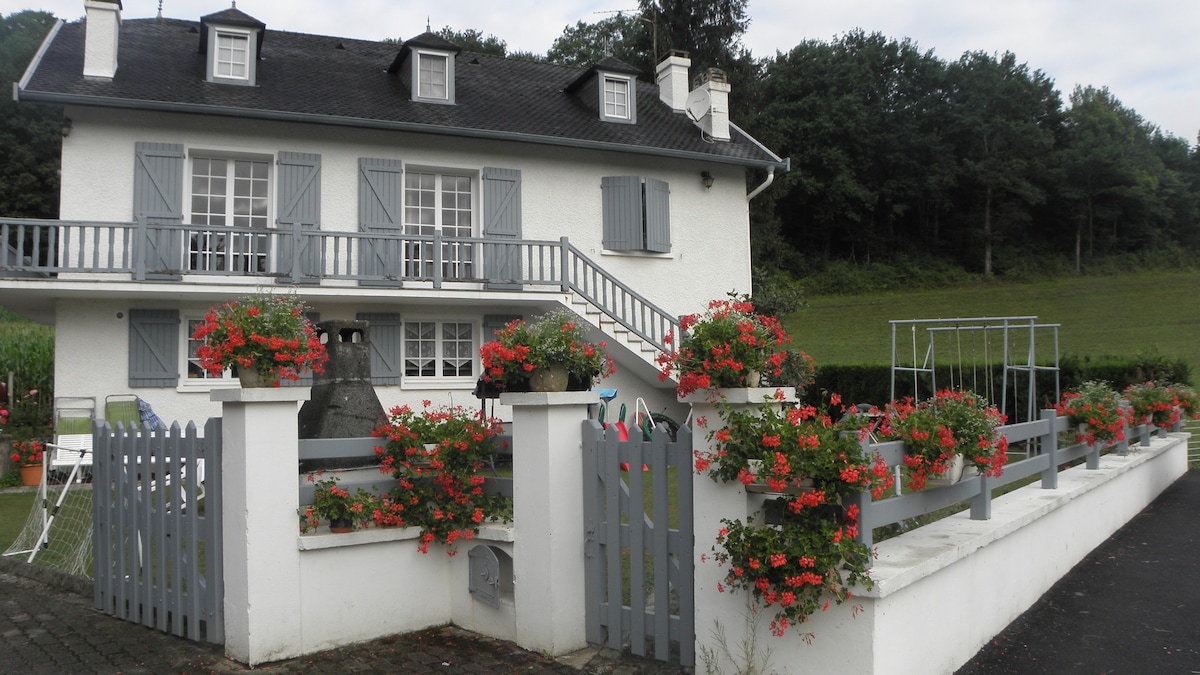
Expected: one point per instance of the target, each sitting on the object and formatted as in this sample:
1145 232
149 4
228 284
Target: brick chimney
100 41
673 80
708 104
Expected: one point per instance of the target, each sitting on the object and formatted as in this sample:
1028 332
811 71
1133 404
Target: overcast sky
1145 51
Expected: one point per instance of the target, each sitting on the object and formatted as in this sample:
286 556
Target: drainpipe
767 183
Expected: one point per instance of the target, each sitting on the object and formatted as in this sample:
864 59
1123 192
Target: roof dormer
231 42
610 87
426 66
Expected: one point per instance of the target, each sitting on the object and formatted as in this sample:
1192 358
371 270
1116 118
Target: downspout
767 183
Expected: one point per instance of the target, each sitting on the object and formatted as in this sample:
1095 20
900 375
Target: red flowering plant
1099 407
934 431
268 333
555 338
335 505
811 556
730 345
28 453
436 455
1187 399
1154 404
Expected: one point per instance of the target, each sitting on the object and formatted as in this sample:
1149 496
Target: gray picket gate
639 571
156 511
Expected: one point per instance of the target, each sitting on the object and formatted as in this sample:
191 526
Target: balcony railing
300 254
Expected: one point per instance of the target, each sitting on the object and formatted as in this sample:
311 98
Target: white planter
951 475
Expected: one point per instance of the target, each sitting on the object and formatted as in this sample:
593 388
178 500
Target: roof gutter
767 183
484 134
36 60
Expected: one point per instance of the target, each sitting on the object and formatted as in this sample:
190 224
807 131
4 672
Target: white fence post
261 559
548 560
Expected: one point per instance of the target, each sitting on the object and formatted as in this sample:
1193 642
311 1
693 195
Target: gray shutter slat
380 193
495 322
622 202
380 210
502 220
153 347
385 346
299 189
158 199
658 215
158 182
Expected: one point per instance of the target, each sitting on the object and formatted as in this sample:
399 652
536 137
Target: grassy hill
1154 312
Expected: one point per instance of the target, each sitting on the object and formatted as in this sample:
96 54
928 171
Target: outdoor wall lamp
707 179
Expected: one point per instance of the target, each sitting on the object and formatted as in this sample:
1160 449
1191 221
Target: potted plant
548 354
1097 410
29 456
808 554
1187 400
344 512
436 455
265 337
729 345
943 433
1153 404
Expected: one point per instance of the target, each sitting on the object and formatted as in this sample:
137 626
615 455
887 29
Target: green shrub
27 351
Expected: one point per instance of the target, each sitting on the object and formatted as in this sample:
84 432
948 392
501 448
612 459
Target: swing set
975 340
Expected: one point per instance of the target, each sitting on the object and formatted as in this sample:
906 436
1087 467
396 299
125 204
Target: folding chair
71 450
122 409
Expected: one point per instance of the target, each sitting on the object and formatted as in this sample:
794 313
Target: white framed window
439 350
193 374
433 76
617 102
439 203
229 192
232 58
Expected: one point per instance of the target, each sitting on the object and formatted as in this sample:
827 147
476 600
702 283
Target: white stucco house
436 193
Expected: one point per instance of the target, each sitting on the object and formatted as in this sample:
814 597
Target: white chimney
708 104
673 80
100 41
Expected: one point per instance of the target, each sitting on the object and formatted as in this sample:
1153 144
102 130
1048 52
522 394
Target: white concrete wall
942 591
560 196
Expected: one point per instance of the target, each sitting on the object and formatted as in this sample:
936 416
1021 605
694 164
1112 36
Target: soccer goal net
58 531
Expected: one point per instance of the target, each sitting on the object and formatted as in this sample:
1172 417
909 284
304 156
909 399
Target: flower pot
31 474
550 378
951 475
341 525
252 379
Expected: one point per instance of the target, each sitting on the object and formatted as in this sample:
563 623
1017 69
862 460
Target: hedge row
872 383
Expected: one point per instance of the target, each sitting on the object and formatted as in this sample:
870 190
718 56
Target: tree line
897 157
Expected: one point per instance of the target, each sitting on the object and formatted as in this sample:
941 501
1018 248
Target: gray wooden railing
1045 459
293 254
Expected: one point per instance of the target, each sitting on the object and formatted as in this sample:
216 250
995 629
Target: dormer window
232 59
231 42
610 88
426 66
433 72
616 97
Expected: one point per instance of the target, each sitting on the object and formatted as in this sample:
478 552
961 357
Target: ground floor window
439 349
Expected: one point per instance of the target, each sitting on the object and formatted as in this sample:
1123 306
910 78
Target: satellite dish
698 104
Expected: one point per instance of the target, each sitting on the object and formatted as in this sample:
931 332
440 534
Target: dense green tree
472 40
30 135
585 43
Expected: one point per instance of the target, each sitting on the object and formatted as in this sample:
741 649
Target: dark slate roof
330 80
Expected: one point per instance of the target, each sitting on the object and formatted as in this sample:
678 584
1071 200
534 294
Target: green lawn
14 510
1157 312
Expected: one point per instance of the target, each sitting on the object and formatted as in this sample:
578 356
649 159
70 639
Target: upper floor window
637 214
442 203
431 76
229 192
616 97
233 56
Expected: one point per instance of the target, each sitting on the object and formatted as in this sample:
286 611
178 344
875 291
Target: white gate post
713 501
260 486
548 560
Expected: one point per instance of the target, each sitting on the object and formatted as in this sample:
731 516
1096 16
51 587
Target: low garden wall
943 590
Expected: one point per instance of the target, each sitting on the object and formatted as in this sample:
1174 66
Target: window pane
431 76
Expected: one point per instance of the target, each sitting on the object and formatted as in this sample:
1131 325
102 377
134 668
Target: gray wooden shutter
658 215
380 210
502 220
153 347
384 330
495 322
158 199
299 191
622 202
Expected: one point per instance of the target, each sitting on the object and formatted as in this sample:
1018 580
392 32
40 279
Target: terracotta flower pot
31 474
341 525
